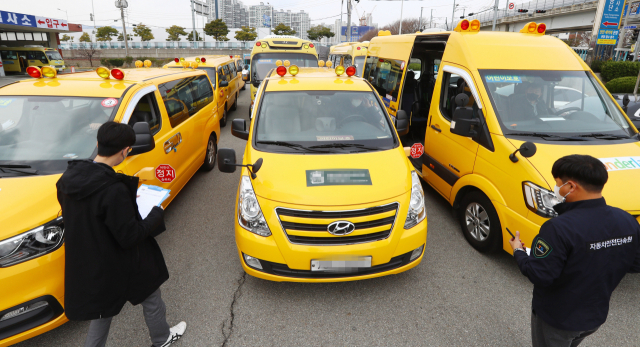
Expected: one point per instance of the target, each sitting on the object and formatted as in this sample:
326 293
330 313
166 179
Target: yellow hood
27 202
622 188
283 177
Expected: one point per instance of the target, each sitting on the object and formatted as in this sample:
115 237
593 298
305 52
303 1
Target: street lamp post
122 4
420 20
65 12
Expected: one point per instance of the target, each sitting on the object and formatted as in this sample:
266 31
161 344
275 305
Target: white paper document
150 196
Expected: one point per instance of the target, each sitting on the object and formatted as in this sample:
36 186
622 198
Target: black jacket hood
84 177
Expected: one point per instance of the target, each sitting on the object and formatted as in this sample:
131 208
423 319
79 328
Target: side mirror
239 129
223 84
227 160
527 150
144 140
402 122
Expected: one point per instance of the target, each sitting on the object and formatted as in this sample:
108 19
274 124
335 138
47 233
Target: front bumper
286 261
39 279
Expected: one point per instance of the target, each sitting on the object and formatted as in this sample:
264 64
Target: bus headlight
32 244
417 212
540 200
250 215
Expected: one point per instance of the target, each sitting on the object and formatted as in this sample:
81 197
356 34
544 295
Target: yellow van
272 48
315 203
490 115
223 74
18 59
350 53
46 122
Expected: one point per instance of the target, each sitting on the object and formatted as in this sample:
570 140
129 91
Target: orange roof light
34 71
328 63
475 25
103 72
320 63
534 28
139 63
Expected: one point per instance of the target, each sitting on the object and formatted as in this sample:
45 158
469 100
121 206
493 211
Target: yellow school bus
18 59
350 53
272 48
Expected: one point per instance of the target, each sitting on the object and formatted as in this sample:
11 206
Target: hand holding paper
150 196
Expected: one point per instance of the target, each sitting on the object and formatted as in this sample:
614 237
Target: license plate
341 265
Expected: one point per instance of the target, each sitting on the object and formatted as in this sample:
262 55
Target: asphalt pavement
455 297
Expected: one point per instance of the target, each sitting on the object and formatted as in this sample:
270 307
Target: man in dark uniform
530 105
579 257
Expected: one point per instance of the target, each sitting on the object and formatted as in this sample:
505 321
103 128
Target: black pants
544 335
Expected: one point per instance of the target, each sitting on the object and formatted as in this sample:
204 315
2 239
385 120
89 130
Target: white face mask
356 102
556 191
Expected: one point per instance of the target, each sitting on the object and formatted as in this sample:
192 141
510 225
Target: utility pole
339 30
401 7
193 20
431 19
495 15
93 17
420 20
122 4
453 13
348 20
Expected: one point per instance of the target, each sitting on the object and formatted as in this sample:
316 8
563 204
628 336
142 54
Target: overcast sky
160 14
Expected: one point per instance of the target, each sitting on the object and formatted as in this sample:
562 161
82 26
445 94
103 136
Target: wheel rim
477 220
211 155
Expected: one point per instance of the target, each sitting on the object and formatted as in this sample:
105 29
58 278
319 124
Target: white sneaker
176 333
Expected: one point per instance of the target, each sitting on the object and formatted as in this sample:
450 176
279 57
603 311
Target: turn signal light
176 60
139 63
329 63
117 74
103 72
339 70
203 60
351 70
34 71
49 72
320 63
281 71
293 70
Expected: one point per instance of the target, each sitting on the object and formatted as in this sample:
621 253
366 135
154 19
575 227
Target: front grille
320 220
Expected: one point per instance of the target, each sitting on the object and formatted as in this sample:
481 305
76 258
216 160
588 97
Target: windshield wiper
346 145
606 136
23 169
290 145
549 137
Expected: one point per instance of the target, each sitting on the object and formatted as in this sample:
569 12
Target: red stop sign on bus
417 150
165 173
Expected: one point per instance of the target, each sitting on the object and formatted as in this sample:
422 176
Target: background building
260 15
301 23
233 12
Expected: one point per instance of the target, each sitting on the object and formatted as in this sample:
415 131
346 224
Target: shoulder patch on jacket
541 248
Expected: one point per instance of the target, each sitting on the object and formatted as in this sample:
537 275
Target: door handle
172 143
436 128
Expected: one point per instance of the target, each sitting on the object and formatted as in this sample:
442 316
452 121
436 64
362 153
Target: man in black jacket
111 255
579 257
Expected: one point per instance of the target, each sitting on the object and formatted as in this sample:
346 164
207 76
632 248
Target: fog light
416 253
252 262
24 309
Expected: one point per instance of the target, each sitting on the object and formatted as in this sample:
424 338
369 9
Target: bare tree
579 39
88 50
409 26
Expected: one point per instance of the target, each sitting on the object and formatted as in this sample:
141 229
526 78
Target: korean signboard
26 20
610 22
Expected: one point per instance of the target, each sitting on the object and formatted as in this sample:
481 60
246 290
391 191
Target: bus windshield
262 63
43 130
554 103
53 55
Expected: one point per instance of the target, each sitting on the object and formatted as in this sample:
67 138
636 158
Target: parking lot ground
455 297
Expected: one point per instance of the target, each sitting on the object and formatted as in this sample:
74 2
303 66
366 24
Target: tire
235 104
211 154
223 120
480 223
